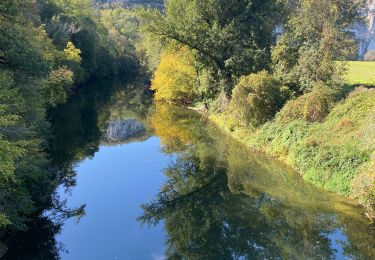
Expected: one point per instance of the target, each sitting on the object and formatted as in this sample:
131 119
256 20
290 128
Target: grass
337 154
361 73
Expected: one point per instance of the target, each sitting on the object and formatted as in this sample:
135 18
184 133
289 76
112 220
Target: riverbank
337 154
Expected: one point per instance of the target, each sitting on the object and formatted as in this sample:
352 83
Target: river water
161 182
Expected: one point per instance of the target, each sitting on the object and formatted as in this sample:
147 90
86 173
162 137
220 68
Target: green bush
256 99
58 85
312 107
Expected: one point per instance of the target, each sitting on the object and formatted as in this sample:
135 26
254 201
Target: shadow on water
220 200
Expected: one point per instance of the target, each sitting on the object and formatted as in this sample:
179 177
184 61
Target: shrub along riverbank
336 153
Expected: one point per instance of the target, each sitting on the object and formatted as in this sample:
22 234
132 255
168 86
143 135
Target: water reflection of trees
76 132
37 243
78 126
222 202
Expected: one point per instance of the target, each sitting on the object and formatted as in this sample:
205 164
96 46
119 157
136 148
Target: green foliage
57 86
256 99
329 166
334 152
315 36
46 46
20 48
11 150
149 49
231 38
11 107
312 107
104 39
363 187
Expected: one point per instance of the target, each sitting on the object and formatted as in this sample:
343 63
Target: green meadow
361 73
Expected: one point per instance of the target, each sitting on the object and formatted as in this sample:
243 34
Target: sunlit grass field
361 73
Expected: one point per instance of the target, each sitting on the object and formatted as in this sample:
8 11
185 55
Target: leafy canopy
316 35
175 77
231 37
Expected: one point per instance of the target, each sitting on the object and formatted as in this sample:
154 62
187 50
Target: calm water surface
160 182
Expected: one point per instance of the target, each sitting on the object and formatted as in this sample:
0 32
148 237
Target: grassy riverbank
337 154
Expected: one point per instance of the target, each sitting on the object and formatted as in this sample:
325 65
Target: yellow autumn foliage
173 133
175 78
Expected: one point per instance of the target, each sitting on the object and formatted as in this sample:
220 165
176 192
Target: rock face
366 33
122 131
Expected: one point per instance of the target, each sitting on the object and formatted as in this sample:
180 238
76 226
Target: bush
256 99
363 187
175 78
370 56
58 85
312 107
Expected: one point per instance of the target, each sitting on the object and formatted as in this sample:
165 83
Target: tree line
47 49
216 44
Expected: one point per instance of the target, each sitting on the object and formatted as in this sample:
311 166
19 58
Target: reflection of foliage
78 125
38 242
220 201
175 126
204 220
77 128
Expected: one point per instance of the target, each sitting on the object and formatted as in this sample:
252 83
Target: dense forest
47 49
272 68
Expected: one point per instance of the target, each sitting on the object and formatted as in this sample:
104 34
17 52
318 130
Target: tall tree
233 37
316 34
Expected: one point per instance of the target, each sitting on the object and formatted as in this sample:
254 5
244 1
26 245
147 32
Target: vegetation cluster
274 73
285 93
47 49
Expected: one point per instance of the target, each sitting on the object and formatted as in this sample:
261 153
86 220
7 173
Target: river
161 182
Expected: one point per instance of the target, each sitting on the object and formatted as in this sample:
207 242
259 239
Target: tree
57 86
72 53
231 37
175 78
11 107
316 35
